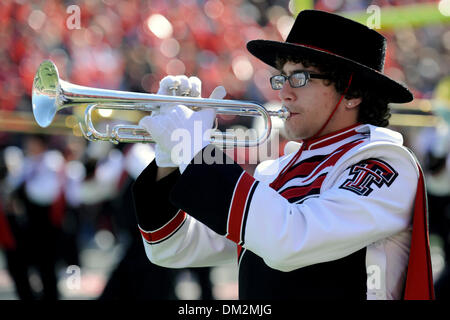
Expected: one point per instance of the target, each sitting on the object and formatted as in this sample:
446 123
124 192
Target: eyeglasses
296 80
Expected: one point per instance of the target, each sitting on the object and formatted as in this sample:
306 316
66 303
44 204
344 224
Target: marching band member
342 217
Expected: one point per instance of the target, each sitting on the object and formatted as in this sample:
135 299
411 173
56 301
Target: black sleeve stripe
151 199
206 191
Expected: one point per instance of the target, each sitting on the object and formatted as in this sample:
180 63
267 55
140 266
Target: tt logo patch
368 172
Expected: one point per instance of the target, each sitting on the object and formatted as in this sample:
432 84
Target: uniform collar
332 137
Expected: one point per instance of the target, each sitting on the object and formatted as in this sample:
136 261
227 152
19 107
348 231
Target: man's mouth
291 114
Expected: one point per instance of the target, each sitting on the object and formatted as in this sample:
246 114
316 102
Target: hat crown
341 36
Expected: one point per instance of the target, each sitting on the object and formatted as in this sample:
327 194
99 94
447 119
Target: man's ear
352 103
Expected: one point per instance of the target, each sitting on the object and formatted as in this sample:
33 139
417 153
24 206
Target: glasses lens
297 80
277 82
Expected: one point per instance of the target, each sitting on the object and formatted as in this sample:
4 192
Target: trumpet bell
45 93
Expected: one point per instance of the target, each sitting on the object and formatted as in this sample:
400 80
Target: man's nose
286 94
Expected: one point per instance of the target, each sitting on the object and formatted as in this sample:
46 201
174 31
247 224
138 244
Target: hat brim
268 51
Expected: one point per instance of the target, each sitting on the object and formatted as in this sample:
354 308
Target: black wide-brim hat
322 36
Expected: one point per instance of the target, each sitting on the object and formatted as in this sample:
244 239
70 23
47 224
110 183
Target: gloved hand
181 131
174 86
180 86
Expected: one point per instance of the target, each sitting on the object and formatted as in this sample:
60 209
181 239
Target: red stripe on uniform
334 158
297 171
237 208
419 277
331 140
301 191
303 169
314 47
166 230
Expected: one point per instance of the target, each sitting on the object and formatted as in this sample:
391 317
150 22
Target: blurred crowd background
67 224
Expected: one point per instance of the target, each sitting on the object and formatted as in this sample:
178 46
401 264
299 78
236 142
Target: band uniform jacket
336 225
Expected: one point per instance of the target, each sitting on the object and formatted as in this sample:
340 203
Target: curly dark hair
373 108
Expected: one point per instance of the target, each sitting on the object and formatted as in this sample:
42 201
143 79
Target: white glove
182 131
179 86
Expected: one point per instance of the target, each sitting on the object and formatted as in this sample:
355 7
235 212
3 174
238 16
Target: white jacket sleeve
192 245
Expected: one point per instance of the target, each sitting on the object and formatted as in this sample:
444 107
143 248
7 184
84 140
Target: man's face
310 105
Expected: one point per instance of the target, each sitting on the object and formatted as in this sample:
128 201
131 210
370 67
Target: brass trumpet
51 94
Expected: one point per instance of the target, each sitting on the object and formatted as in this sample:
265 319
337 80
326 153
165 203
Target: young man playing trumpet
343 217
